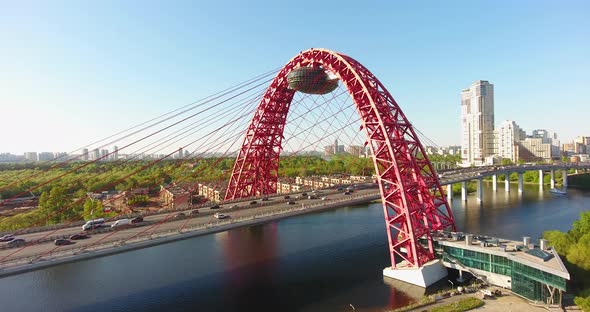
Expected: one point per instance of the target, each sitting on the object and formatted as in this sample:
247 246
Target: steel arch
414 204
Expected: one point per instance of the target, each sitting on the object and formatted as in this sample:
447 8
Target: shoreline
113 248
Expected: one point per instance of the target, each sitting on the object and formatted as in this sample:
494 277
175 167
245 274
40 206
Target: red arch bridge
319 96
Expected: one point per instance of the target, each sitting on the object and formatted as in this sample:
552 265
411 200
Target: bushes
463 305
574 247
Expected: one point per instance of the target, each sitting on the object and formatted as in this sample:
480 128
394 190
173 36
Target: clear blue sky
76 71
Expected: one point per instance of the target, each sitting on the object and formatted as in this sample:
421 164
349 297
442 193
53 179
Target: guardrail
167 211
73 251
145 223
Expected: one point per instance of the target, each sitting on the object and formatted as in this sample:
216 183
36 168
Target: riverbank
581 181
27 264
501 303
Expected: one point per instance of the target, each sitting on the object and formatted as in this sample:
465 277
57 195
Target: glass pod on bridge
312 80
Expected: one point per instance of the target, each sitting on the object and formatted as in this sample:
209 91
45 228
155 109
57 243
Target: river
324 261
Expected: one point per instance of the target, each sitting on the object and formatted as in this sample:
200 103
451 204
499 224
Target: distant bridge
464 175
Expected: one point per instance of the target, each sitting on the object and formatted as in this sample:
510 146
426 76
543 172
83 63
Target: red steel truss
414 204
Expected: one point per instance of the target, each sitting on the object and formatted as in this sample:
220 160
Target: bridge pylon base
425 276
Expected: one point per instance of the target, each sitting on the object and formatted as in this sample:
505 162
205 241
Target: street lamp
452 284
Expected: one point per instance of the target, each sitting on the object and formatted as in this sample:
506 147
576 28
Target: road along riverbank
67 255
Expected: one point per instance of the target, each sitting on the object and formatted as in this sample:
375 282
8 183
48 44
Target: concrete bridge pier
494 182
507 182
464 191
552 179
565 178
541 179
520 182
430 273
449 192
480 190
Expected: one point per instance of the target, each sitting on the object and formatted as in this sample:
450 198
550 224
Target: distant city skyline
70 78
484 143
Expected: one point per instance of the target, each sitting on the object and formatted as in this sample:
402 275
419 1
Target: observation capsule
312 80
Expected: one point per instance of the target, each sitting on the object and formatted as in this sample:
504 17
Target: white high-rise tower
477 120
509 134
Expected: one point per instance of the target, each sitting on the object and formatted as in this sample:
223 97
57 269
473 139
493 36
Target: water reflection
513 214
250 261
318 262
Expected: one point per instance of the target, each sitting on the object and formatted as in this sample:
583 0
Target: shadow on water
316 279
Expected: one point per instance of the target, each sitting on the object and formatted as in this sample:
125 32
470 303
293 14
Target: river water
325 261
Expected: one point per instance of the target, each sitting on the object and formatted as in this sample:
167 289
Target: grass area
463 305
423 302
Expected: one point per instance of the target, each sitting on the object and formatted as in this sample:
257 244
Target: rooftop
546 260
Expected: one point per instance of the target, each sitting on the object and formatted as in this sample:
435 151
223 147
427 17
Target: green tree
92 209
579 253
575 247
559 240
583 303
581 226
138 200
54 205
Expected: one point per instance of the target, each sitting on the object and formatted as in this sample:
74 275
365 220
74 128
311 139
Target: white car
7 238
324 198
120 222
220 216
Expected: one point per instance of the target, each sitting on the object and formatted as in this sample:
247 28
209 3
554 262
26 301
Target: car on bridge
120 222
7 238
253 202
194 212
220 216
291 202
79 236
62 242
179 215
137 219
215 207
93 224
17 242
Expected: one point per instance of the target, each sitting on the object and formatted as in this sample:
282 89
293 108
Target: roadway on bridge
472 173
205 217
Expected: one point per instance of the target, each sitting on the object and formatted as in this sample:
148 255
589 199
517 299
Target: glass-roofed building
533 272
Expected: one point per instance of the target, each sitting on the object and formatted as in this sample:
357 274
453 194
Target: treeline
62 190
450 159
574 247
66 185
303 166
17 179
55 207
79 178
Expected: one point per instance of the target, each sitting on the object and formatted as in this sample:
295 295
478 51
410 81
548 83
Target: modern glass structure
535 273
